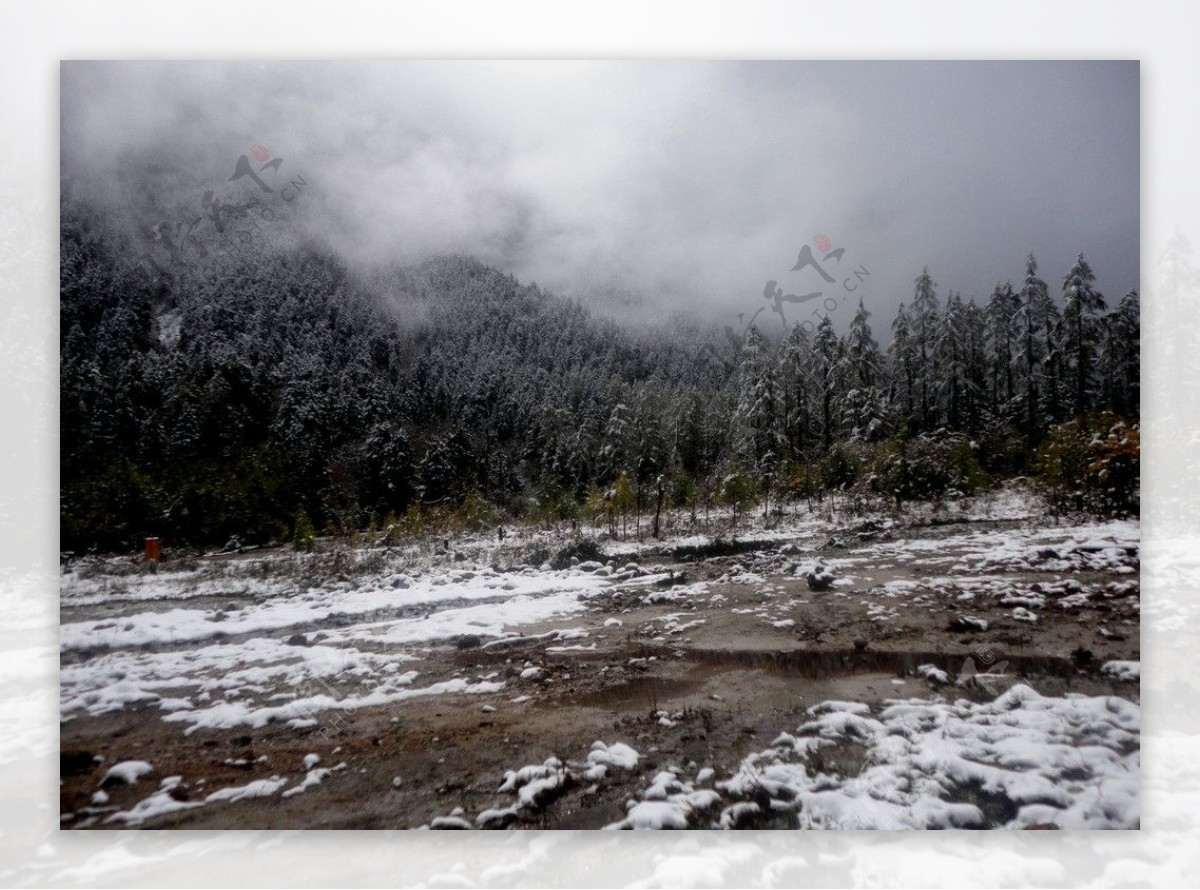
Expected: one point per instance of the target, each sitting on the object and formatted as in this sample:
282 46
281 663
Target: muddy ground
690 676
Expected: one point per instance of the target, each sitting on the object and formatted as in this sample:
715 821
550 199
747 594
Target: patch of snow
312 778
257 788
127 771
1125 671
1072 761
933 674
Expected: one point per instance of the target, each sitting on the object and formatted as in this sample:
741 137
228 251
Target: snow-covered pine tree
827 355
950 356
1053 406
758 413
692 448
448 470
388 469
1081 327
862 410
1036 318
647 445
796 382
924 332
977 365
1002 310
1120 355
902 354
616 447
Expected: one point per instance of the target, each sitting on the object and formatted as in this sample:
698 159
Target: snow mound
669 803
1126 671
127 772
933 674
603 756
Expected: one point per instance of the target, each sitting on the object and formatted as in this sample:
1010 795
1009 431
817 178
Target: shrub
737 490
473 514
928 467
1003 451
304 535
681 488
623 500
1092 465
803 480
553 503
839 469
584 550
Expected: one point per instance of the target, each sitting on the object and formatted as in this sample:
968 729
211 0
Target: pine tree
795 374
1002 310
902 353
648 446
758 413
616 450
1082 305
827 354
1120 354
388 469
694 447
924 332
976 359
1054 397
1035 322
863 373
447 472
951 360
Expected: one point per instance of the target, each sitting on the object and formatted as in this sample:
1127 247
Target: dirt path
692 663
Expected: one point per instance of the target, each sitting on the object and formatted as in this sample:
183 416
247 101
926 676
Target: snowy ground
973 667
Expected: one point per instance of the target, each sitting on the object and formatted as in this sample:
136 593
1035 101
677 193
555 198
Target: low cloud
686 184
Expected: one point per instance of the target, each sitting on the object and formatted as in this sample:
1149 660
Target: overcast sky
689 183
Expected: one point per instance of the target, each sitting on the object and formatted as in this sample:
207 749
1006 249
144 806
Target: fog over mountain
649 188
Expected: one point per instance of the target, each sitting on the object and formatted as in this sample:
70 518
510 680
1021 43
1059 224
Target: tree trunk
662 490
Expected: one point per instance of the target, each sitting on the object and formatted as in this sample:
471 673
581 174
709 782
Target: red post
153 550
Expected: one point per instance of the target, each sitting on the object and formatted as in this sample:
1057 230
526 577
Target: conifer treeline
203 401
1021 361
